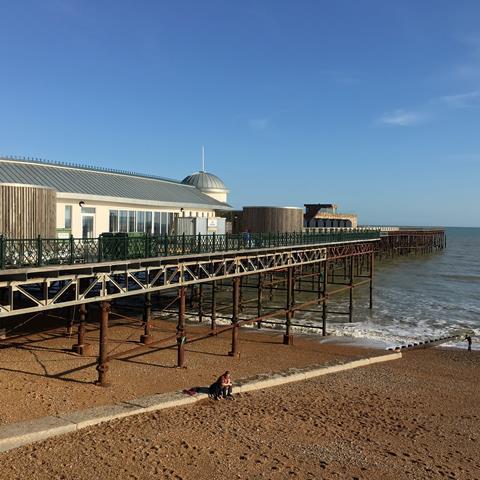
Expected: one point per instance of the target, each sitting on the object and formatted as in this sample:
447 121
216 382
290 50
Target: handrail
38 252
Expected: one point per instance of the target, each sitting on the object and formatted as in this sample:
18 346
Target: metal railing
38 252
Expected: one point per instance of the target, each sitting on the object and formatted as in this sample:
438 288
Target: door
88 226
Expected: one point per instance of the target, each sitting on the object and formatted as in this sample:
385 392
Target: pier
224 281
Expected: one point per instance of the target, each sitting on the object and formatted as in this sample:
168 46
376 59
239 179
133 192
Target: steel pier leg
259 299
81 347
181 338
352 272
236 303
288 337
147 337
102 366
200 303
324 305
71 316
214 307
370 274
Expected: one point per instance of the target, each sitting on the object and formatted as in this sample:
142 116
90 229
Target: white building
91 201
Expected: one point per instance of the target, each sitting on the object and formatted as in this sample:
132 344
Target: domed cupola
207 183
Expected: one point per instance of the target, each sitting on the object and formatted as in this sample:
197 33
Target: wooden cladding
272 219
27 211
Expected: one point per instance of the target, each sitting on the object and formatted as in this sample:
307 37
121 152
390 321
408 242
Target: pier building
326 215
55 199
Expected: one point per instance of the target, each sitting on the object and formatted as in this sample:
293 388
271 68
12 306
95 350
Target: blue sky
373 105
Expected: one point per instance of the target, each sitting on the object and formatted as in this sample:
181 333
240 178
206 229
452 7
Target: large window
113 223
68 216
132 221
140 221
148 222
122 221
156 223
164 223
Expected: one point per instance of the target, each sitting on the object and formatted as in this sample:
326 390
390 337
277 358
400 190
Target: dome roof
206 182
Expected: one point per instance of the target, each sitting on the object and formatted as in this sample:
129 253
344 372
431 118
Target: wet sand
415 418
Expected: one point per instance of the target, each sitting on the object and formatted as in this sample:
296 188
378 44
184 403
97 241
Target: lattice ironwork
31 290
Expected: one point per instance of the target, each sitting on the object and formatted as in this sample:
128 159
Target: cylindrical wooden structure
27 211
272 219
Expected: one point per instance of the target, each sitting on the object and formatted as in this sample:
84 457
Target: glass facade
140 221
148 222
113 221
122 221
132 220
155 223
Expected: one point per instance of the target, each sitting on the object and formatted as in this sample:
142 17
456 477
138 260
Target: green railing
37 252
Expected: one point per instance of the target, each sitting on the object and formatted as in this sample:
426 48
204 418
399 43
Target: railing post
39 251
100 248
183 243
72 250
213 242
199 243
226 242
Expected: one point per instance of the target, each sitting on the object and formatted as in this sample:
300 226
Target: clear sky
373 104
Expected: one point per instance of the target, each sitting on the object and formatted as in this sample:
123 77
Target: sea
416 297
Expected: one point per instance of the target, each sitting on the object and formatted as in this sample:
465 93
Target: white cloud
260 123
462 100
403 118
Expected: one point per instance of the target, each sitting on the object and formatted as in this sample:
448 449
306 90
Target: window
164 223
132 221
68 216
148 222
122 221
140 221
88 210
171 223
156 223
113 221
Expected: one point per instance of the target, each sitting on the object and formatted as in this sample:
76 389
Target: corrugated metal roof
106 183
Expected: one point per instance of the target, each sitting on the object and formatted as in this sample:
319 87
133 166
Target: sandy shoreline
414 418
43 377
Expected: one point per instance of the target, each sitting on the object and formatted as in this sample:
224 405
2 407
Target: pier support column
259 299
200 303
181 338
240 294
235 330
102 366
70 320
288 337
214 308
370 275
294 282
147 337
324 294
82 348
352 273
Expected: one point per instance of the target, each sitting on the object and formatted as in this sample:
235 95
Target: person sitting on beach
468 338
222 387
